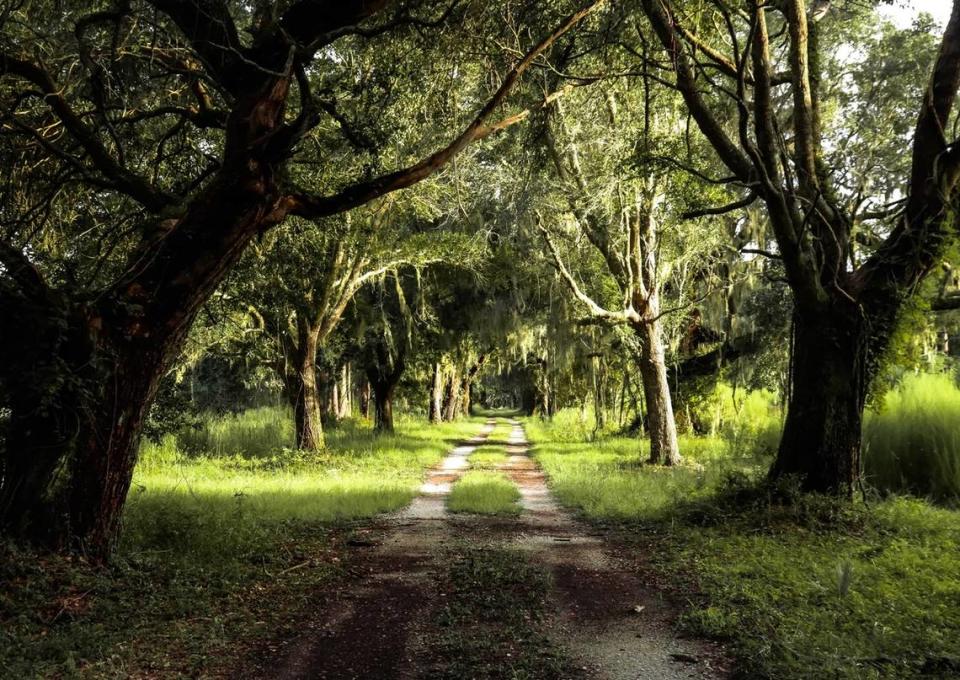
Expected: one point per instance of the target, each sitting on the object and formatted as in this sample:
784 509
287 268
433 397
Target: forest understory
524 339
704 573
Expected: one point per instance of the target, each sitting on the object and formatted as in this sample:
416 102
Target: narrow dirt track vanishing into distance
376 624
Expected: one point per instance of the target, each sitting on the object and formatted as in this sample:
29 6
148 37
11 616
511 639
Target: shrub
912 443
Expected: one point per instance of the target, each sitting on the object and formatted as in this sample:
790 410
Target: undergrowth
912 442
216 550
802 586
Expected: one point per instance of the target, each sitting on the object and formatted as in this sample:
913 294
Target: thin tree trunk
345 406
664 448
545 404
365 399
436 394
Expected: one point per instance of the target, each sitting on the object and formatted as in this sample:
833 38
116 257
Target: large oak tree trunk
664 448
70 455
829 377
71 449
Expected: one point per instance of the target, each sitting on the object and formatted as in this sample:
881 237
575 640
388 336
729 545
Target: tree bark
304 392
452 398
69 462
468 383
383 405
436 394
365 399
345 409
664 448
829 376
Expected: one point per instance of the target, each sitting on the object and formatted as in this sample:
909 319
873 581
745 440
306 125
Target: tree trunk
829 376
304 393
436 394
599 403
383 406
72 439
365 399
664 448
345 391
468 383
452 399
383 369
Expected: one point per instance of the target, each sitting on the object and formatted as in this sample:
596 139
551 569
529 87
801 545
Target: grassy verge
801 589
489 626
484 493
218 553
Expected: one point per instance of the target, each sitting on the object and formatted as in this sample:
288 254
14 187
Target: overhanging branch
312 207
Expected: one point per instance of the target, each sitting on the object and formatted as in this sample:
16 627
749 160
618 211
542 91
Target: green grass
488 457
484 493
218 551
490 626
801 589
608 479
912 443
256 432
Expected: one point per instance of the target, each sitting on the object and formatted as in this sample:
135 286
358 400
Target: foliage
750 421
912 441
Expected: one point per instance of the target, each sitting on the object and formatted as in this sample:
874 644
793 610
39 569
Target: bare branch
127 182
596 311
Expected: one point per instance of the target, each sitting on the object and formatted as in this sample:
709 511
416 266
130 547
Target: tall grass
256 432
248 489
609 479
912 443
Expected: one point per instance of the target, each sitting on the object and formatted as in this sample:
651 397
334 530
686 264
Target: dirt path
378 623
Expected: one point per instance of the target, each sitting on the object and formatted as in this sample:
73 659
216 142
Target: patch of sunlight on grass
207 504
608 479
484 493
488 458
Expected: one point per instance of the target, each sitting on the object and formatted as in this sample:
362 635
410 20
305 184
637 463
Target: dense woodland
263 263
